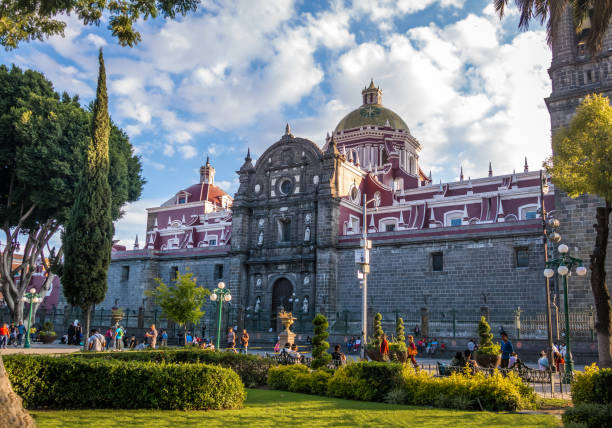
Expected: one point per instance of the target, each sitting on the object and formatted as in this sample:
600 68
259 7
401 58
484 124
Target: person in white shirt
96 341
513 359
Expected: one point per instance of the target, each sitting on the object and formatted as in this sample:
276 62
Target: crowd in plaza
12 335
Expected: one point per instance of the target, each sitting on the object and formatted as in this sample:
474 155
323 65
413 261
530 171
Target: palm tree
550 12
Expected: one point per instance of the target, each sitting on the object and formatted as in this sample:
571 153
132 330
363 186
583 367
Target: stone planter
47 338
401 356
488 361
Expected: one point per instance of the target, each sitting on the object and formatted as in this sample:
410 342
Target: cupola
372 94
207 173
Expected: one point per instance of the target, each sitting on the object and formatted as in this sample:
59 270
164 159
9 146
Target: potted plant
398 351
373 345
47 333
489 353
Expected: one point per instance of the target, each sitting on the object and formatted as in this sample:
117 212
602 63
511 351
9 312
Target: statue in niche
261 222
258 282
307 280
257 304
305 305
260 238
307 234
307 218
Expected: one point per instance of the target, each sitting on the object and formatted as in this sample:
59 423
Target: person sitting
338 357
293 352
543 361
468 358
559 362
458 360
286 349
513 360
357 345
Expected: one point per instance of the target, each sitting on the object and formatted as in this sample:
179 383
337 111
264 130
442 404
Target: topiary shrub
374 380
400 336
252 369
486 345
282 377
320 356
373 345
588 415
68 382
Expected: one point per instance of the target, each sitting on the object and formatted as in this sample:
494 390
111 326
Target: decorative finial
136 246
461 174
207 161
526 167
248 156
430 176
287 129
490 170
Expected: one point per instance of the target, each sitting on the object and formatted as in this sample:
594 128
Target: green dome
371 114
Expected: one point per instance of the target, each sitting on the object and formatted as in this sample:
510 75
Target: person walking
412 351
384 347
78 333
506 350
96 341
109 336
4 335
20 333
151 336
231 339
119 333
164 338
245 341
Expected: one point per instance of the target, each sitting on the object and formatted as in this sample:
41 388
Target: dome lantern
372 94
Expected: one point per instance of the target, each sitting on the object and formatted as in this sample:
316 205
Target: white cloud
187 151
96 40
134 221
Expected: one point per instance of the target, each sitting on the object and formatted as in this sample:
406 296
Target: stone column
425 322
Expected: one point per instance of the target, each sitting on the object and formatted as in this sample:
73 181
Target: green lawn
265 408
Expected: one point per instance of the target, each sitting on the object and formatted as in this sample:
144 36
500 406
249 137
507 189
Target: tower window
437 261
284 229
174 273
588 76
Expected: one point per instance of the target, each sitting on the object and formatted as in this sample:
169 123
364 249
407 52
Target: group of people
430 346
232 338
353 345
12 334
116 337
558 354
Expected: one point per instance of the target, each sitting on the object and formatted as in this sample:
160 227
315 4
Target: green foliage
582 160
378 330
588 415
88 233
400 336
486 345
282 377
594 385
68 382
495 392
396 396
367 381
22 21
48 329
320 356
252 369
183 302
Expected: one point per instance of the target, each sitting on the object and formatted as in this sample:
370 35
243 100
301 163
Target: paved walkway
39 348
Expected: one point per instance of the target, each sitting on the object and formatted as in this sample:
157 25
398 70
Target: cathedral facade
288 237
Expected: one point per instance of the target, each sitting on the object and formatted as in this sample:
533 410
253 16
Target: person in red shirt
384 346
4 334
412 351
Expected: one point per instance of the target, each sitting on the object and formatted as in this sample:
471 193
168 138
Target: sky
230 76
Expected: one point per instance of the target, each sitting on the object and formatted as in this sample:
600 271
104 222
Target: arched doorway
281 292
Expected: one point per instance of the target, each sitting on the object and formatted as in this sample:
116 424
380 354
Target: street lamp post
364 264
564 264
221 294
30 297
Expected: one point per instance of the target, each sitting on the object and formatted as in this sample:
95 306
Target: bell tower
574 71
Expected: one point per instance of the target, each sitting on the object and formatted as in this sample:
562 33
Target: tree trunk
603 323
86 331
12 412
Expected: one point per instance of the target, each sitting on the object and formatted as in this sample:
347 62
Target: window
453 218
529 212
181 200
286 186
212 242
455 222
389 227
284 229
174 273
218 271
437 262
522 257
125 273
588 76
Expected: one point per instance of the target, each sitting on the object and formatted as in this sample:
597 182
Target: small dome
371 114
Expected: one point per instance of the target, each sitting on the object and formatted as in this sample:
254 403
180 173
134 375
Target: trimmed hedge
594 385
252 369
589 415
80 383
395 383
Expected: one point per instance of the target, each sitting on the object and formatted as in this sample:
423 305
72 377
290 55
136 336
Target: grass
265 408
546 403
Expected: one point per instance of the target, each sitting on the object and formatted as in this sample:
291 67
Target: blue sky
230 76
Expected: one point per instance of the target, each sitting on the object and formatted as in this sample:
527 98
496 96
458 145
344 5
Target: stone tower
575 73
207 173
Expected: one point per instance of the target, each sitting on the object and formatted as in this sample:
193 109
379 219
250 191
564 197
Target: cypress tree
400 336
89 229
320 356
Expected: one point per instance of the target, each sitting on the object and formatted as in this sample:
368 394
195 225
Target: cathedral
288 237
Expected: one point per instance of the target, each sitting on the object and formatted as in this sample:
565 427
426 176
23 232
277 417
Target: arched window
528 212
412 166
453 218
388 224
